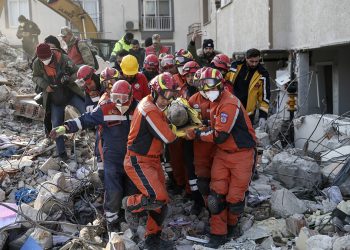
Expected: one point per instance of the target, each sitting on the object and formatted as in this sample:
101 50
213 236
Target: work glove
190 133
58 131
262 123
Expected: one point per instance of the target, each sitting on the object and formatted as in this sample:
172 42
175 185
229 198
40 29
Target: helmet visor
170 94
209 83
83 83
179 60
119 98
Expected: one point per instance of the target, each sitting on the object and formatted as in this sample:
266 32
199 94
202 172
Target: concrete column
303 77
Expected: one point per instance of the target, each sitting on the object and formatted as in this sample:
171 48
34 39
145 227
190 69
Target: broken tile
284 203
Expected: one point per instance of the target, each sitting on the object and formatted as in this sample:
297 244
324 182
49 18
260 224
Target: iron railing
157 23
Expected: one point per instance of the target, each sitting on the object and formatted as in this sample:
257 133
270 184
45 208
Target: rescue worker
78 50
137 52
149 130
123 43
222 63
251 85
108 77
28 31
137 80
55 74
90 82
150 67
156 48
187 90
167 64
115 116
181 57
207 53
234 159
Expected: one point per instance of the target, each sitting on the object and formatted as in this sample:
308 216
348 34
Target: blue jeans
57 118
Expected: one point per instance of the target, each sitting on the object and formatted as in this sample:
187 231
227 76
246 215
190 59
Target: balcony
157 23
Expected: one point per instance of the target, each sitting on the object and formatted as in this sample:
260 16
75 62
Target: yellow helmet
129 65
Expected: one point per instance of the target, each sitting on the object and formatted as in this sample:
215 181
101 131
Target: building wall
310 24
48 21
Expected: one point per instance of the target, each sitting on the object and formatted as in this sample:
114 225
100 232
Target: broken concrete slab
319 242
304 235
331 170
294 171
42 237
284 203
267 244
262 138
342 243
31 212
59 183
50 163
333 154
295 223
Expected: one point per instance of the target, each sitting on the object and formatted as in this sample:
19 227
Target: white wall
310 24
48 21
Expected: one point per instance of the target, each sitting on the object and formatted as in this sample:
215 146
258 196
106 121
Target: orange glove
190 134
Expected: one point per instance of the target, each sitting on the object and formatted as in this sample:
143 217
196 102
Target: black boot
233 232
154 242
198 203
216 241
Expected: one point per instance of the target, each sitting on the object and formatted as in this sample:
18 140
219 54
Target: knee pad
216 202
203 185
236 208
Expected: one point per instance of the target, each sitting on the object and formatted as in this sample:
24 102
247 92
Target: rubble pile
298 201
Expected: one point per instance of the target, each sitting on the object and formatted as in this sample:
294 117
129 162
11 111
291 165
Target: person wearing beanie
54 43
55 74
28 31
123 44
207 53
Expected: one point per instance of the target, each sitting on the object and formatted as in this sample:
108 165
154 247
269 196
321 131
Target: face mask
212 95
122 109
161 109
203 94
47 62
21 24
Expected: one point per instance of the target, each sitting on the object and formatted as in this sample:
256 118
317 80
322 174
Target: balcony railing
157 23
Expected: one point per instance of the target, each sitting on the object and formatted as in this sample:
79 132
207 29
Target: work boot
153 241
216 241
113 226
146 203
233 232
196 208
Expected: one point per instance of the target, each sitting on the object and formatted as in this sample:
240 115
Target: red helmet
182 56
164 85
221 61
208 78
190 67
121 93
151 62
167 61
108 77
84 75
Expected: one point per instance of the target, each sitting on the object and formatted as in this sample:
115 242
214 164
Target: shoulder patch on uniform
223 117
196 105
137 86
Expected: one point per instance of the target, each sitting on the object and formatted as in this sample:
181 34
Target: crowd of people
128 105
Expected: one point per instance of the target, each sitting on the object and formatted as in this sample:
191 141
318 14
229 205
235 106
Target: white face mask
21 24
47 62
122 109
212 95
203 94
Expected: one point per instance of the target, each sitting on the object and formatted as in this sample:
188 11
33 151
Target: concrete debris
319 242
267 244
262 138
284 204
51 164
304 235
294 223
341 152
294 171
342 243
330 171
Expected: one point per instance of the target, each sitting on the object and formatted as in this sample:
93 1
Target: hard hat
182 56
121 92
190 67
84 75
221 61
177 114
129 65
209 78
151 62
164 85
108 77
167 61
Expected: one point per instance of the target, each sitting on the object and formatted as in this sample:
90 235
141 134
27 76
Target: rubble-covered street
299 200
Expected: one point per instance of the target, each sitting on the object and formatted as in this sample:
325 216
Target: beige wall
48 21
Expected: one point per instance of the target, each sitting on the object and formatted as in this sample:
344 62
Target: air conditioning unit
131 25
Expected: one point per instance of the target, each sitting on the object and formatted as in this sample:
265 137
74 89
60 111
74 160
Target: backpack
93 49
